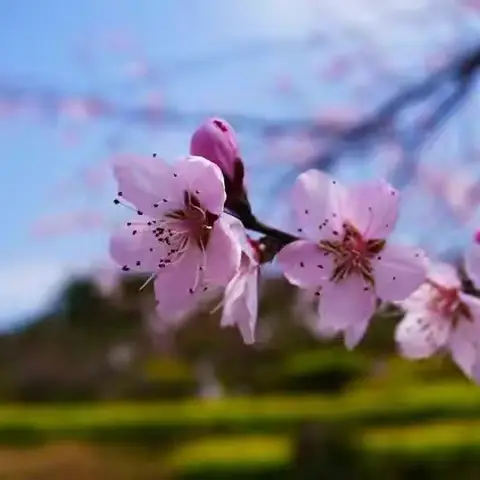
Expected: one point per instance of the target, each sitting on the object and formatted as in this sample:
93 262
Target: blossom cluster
191 235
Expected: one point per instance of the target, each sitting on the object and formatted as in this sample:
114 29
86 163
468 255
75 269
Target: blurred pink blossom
137 69
440 316
337 69
284 84
339 118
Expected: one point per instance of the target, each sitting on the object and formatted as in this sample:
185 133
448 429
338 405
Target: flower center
193 220
446 302
352 254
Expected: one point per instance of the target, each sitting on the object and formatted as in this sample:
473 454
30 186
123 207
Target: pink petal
420 334
373 209
476 369
398 272
419 299
240 234
348 303
233 294
317 199
223 254
241 304
248 321
473 304
462 346
140 252
472 263
203 179
443 274
174 286
354 333
304 264
145 182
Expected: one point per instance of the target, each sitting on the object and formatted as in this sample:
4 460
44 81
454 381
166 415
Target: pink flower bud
477 236
215 140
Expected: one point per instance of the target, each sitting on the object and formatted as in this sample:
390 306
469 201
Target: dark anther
116 201
139 212
125 268
155 205
220 125
302 264
119 194
154 155
138 263
134 232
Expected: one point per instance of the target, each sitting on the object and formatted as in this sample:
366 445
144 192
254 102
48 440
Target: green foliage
161 421
329 370
448 449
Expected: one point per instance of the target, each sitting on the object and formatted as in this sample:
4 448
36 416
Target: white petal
241 304
462 347
420 334
443 274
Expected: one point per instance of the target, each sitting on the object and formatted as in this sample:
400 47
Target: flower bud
215 140
477 237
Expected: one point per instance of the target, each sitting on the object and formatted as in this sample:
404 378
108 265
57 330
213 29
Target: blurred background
92 385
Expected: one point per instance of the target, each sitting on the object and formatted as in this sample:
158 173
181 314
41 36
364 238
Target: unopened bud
216 141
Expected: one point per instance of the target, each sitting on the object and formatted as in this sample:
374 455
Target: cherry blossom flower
345 252
439 316
184 240
240 304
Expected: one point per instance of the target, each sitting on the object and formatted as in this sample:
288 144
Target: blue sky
38 45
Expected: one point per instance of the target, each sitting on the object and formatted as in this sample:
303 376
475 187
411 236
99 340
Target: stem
252 223
241 209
